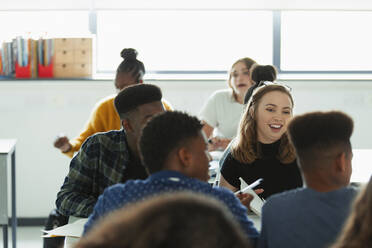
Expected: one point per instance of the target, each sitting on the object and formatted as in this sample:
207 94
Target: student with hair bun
221 113
260 73
104 116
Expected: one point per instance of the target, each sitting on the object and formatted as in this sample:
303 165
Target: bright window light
326 41
41 23
185 40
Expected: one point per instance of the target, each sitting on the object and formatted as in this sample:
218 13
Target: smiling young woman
222 111
262 148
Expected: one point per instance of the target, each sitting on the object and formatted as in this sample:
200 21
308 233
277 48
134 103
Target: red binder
45 71
22 71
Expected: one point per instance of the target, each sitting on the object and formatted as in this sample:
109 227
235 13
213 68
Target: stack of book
46 58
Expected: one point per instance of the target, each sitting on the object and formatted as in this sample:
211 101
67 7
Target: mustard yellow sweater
103 118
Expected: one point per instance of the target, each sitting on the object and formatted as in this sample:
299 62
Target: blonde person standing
222 111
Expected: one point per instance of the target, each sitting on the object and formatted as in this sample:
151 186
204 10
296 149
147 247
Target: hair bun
129 53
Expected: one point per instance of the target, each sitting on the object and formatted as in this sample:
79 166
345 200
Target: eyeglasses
266 83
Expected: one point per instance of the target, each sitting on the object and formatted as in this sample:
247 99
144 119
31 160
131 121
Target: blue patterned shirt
120 195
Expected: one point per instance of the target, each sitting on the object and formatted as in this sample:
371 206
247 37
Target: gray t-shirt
304 218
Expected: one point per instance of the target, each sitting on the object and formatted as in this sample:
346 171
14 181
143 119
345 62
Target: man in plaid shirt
110 157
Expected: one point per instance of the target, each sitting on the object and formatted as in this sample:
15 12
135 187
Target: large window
184 41
326 41
42 23
204 40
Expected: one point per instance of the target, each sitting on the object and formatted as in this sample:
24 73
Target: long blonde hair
246 148
357 231
248 62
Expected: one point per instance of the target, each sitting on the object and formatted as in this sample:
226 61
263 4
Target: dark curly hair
135 95
320 135
162 134
260 73
181 219
130 64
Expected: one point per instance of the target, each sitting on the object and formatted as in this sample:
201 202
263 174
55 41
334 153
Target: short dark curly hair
135 95
318 136
177 219
164 133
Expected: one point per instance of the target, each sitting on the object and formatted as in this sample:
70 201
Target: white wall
34 112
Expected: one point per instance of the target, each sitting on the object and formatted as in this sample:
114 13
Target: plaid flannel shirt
101 162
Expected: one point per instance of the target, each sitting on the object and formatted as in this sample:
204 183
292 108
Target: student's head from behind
239 76
357 230
136 104
171 220
174 141
263 73
258 74
322 144
130 71
265 120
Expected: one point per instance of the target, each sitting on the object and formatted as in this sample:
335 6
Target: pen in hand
251 186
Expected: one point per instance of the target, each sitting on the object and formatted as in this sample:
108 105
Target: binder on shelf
46 58
22 71
45 71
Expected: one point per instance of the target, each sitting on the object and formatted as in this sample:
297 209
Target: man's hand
62 143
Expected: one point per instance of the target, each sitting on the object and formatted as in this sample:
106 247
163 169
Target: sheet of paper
70 230
257 202
216 155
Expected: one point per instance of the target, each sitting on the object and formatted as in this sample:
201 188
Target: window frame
277 54
277 24
221 74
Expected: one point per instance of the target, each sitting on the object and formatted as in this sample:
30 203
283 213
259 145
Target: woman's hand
62 143
246 198
217 143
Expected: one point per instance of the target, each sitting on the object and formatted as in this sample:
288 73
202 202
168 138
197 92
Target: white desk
214 168
7 159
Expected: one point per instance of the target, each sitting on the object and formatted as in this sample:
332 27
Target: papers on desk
213 171
70 230
213 165
257 202
216 155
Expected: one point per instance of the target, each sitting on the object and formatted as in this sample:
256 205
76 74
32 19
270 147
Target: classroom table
7 161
